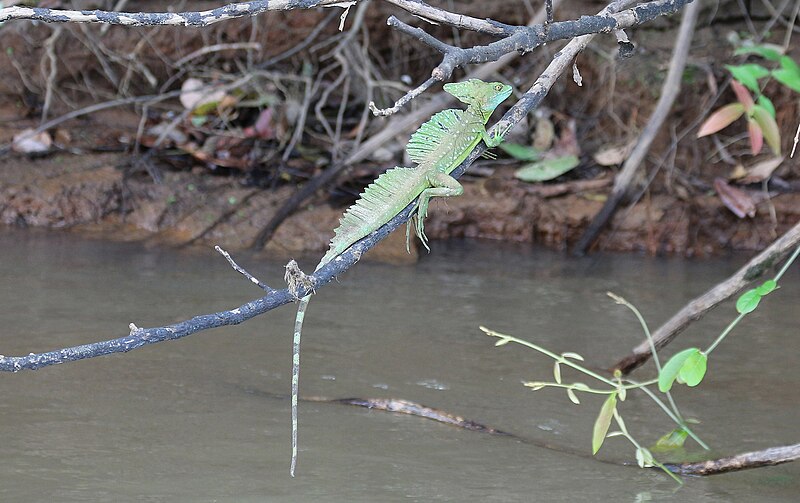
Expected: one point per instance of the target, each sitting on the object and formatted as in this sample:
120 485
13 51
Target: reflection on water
206 418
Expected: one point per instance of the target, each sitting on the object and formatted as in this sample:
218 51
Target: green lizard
438 147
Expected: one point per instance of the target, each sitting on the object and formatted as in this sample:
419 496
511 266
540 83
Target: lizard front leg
442 185
494 140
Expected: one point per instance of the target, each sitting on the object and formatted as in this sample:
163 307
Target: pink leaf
721 119
756 136
743 95
736 200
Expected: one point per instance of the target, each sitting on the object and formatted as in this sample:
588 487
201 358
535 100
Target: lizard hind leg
442 185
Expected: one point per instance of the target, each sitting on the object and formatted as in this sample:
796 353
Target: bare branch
437 15
140 337
191 18
745 461
243 272
669 92
525 39
699 306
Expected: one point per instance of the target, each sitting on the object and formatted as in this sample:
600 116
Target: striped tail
298 329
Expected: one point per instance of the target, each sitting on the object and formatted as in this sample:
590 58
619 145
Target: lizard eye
498 87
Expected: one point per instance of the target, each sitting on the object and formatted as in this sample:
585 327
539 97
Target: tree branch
699 306
139 337
669 91
745 461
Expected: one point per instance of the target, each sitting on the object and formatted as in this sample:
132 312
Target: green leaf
573 397
721 119
766 103
769 128
644 457
694 368
766 51
748 74
671 370
521 152
548 169
557 372
672 440
787 78
748 301
603 421
788 74
767 287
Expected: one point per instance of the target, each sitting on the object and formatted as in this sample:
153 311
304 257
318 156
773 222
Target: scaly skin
438 147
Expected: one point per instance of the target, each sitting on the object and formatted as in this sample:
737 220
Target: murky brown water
206 418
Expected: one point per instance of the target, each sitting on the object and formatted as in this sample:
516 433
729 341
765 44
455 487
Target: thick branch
695 309
526 39
141 337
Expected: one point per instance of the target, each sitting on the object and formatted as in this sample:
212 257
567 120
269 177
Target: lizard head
477 93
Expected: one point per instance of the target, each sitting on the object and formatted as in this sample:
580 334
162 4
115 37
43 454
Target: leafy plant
759 112
686 367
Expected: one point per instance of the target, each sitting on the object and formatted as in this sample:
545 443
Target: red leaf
736 200
720 119
743 95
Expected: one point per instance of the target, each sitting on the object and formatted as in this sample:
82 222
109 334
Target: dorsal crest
429 135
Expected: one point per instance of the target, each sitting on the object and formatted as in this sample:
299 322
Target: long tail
298 329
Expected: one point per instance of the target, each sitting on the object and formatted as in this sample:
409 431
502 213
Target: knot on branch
297 281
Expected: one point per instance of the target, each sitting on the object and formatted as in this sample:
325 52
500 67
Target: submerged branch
745 461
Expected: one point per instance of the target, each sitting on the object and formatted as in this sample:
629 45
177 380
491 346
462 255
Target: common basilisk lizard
438 147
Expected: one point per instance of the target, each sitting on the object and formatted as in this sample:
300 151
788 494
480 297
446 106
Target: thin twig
242 271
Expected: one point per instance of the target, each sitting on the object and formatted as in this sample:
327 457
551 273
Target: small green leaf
535 385
788 74
694 368
671 370
748 74
502 342
672 440
521 152
548 169
767 287
767 104
573 397
766 51
579 386
603 421
748 301
557 372
644 457
574 356
787 78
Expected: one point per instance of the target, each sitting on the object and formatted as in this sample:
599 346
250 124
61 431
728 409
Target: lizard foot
297 279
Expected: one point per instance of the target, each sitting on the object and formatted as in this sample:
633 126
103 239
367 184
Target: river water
206 418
